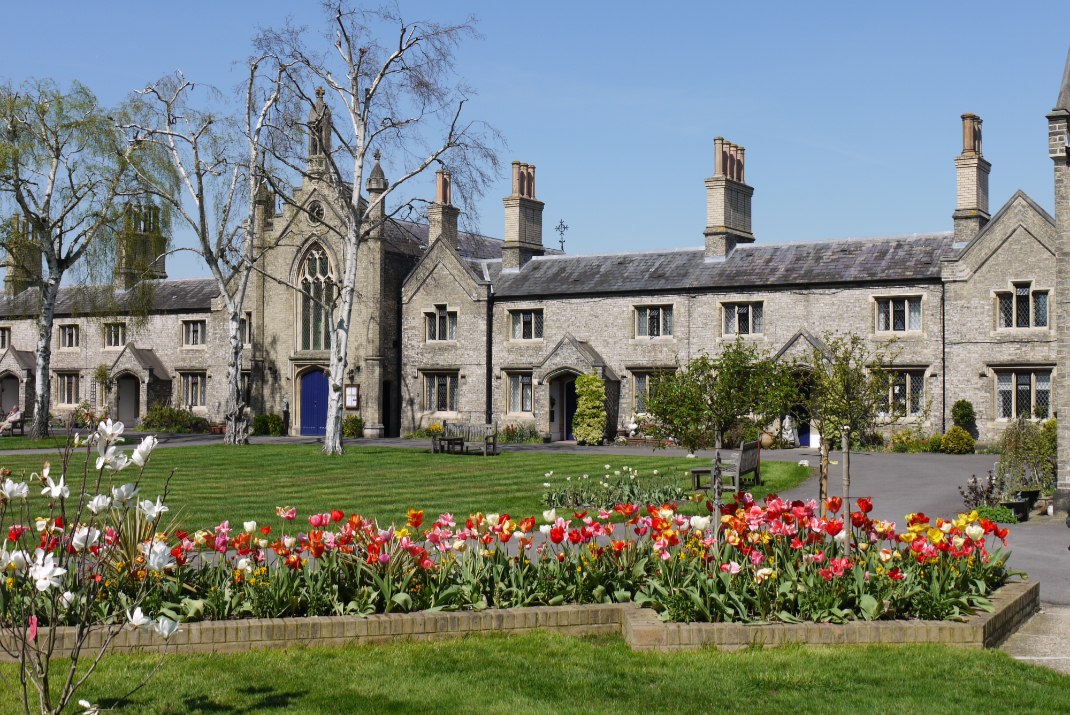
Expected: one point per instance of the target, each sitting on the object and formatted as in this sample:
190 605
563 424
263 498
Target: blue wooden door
314 404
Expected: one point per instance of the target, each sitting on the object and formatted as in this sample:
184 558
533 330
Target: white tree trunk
43 397
332 440
236 421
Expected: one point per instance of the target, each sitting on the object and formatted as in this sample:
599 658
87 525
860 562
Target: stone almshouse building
462 327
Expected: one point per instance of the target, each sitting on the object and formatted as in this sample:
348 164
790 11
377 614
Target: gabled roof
906 258
170 296
994 221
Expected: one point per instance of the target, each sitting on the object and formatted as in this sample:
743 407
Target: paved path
1043 640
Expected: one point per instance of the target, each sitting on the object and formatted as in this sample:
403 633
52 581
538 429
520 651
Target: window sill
745 336
440 342
194 347
520 415
525 340
658 338
70 350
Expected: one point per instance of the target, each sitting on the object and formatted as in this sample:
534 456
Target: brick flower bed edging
640 627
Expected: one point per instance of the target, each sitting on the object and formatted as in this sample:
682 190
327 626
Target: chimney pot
523 220
728 202
971 211
718 156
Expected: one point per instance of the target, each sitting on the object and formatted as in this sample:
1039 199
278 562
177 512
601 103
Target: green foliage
352 427
269 424
958 441
936 443
997 514
589 422
520 434
165 418
625 486
698 404
851 386
963 414
1027 455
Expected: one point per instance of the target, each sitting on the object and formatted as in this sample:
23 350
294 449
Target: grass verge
557 675
242 483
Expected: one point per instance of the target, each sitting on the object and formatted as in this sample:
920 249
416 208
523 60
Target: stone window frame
114 336
1011 297
439 317
430 402
69 338
246 329
318 279
637 312
194 381
68 387
907 298
723 306
913 399
190 333
519 375
5 337
1036 373
538 324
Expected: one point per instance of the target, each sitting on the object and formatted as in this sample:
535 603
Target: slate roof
907 258
187 295
147 357
410 238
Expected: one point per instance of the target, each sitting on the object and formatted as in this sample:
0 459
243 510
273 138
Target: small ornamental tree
589 422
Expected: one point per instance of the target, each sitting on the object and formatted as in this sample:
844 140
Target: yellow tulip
936 536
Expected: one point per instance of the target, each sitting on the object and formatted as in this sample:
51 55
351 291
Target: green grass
557 675
243 483
20 442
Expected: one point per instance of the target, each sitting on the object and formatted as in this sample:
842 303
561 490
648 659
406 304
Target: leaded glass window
757 317
1023 393
317 299
642 390
883 315
442 324
915 313
898 314
1021 305
440 392
899 321
1004 403
744 318
1006 311
520 393
1040 310
527 324
1043 395
194 389
1023 398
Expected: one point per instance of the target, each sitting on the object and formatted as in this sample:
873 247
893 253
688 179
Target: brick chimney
971 211
23 263
1058 139
728 200
141 247
523 220
443 214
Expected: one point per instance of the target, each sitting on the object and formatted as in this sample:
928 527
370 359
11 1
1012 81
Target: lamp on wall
350 373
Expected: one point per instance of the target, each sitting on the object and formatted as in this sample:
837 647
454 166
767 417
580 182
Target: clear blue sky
849 111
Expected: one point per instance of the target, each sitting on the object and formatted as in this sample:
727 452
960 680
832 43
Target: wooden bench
482 437
449 439
748 460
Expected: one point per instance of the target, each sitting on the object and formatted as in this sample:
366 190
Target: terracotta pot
767 440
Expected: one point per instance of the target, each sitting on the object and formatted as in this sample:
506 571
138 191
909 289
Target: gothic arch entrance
562 405
314 403
128 397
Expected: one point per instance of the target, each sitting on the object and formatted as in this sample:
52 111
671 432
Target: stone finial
1064 89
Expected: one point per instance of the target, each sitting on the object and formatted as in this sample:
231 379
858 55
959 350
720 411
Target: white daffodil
138 620
150 510
165 627
55 490
140 457
124 495
250 527
99 503
12 491
67 599
158 557
550 515
109 431
44 571
84 538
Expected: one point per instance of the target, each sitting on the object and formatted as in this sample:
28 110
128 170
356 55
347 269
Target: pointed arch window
318 289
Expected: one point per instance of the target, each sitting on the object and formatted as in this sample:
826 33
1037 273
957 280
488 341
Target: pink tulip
384 559
731 567
756 557
316 520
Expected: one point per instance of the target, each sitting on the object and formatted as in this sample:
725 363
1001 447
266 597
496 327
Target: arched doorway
128 397
570 408
314 403
800 413
9 393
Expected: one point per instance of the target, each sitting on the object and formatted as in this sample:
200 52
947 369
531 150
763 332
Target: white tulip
245 565
150 510
84 538
44 572
11 491
250 526
288 541
124 494
608 467
700 523
165 627
545 529
975 531
138 620
99 503
550 515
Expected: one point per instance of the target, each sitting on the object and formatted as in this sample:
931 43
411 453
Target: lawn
559 675
21 442
241 483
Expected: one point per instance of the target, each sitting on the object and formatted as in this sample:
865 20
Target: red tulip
557 534
858 519
833 527
336 515
833 504
865 504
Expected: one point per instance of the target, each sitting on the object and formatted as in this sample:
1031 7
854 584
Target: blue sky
849 111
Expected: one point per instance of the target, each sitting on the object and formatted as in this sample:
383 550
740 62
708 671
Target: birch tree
400 96
219 161
67 175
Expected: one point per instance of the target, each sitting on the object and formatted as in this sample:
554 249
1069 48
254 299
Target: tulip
865 504
833 504
975 532
288 513
250 527
731 568
550 515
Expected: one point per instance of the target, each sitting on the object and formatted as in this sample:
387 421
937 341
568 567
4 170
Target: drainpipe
490 354
943 357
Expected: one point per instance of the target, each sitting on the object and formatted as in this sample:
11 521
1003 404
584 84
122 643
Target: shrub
353 427
267 424
958 441
589 422
936 443
165 418
1027 455
963 414
525 434
997 514
981 492
624 486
